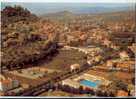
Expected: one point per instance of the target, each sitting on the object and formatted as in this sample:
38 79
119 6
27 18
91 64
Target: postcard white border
74 1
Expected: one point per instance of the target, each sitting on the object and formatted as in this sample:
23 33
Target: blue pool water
89 83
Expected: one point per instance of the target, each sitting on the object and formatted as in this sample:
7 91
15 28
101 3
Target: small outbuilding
74 67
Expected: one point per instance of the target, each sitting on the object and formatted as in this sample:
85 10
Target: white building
74 67
124 55
71 83
89 62
110 63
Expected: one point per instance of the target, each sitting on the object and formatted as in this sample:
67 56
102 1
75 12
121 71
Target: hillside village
80 55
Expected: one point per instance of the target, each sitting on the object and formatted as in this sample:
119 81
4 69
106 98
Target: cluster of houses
7 83
120 65
9 86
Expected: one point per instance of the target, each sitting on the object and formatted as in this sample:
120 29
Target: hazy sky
40 8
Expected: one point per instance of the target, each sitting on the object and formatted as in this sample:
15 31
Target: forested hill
17 13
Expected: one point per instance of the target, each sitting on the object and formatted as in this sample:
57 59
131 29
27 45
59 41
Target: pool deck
88 81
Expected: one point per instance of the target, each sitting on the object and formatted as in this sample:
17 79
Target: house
15 83
124 55
127 65
7 84
106 42
111 64
133 48
114 46
71 83
123 38
89 62
74 67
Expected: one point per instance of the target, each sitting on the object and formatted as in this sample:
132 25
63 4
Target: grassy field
64 59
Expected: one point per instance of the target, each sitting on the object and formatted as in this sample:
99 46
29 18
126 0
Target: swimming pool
89 83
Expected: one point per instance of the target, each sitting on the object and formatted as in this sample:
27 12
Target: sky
45 7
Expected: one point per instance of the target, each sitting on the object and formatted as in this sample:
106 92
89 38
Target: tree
133 80
81 88
121 85
99 93
130 87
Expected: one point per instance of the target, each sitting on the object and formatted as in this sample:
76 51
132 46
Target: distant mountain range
59 15
87 10
90 10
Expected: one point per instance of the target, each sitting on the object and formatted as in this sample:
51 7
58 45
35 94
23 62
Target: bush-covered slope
23 38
